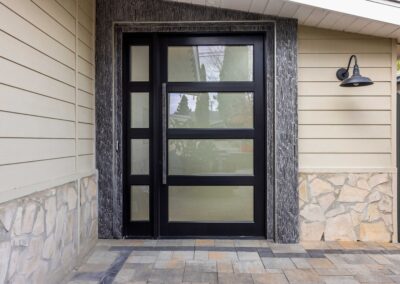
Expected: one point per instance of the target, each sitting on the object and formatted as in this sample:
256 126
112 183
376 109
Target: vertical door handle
164 133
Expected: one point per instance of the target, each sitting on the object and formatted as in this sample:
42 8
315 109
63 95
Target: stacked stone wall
39 233
351 207
89 215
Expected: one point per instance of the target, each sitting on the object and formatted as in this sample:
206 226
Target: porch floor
238 261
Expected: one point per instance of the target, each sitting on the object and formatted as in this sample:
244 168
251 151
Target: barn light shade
354 81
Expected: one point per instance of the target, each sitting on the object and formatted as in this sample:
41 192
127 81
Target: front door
194 113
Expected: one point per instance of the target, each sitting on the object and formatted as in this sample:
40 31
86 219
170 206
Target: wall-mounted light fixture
354 81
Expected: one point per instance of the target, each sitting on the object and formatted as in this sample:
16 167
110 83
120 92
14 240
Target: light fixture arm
355 62
343 73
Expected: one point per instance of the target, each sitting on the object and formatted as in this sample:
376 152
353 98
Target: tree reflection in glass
211 110
210 63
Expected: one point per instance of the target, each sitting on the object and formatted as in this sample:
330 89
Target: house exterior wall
46 137
347 141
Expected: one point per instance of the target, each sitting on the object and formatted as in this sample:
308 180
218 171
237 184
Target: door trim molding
281 109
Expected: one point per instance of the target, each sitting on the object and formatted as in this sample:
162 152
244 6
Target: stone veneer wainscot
39 233
347 207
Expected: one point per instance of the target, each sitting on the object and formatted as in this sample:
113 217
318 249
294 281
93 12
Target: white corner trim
394 140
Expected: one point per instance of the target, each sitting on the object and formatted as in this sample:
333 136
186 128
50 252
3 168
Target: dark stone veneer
118 16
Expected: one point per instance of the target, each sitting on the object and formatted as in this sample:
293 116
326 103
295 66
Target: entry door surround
281 119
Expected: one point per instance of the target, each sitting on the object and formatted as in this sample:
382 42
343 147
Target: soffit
371 17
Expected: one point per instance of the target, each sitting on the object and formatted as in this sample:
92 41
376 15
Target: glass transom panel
140 63
210 63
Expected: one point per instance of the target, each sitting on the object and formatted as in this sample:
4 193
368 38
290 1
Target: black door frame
282 208
139 228
152 228
398 158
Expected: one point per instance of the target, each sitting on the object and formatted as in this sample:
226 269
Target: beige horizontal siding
57 12
85 147
24 31
85 115
45 149
85 99
23 54
347 161
345 146
87 7
326 74
344 103
46 91
29 173
333 89
342 117
345 46
70 6
348 128
85 68
41 19
365 60
25 102
21 126
85 85
85 52
18 76
85 163
84 35
307 32
344 131
85 131
85 20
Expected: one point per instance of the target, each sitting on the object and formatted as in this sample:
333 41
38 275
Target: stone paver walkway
239 261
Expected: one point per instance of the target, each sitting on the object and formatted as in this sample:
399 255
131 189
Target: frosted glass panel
140 203
211 203
210 157
210 63
140 156
140 63
210 110
139 110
